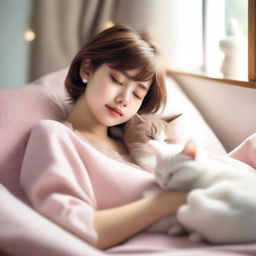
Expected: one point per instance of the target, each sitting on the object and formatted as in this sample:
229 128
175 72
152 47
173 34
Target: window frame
252 40
251 81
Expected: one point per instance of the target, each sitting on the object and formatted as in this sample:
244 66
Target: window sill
218 78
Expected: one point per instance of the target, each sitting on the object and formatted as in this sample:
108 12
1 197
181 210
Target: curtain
61 28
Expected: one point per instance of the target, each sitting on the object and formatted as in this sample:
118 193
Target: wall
14 50
165 21
228 109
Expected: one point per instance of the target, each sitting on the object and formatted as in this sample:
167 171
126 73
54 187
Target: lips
116 110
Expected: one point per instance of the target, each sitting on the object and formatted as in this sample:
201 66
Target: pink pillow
29 233
246 151
21 108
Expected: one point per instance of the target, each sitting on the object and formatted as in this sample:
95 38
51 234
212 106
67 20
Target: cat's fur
137 132
191 167
140 129
222 206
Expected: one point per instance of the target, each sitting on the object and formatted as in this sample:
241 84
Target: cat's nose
165 185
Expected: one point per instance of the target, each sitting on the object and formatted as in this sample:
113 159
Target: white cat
221 206
187 167
223 213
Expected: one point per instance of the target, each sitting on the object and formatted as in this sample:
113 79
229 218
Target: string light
29 35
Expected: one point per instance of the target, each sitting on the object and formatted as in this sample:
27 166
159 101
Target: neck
82 120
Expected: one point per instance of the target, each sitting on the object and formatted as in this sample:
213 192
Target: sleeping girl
78 176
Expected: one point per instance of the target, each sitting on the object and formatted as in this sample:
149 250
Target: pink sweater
67 179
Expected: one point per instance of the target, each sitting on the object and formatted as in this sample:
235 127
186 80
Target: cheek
100 91
134 106
105 92
131 111
159 179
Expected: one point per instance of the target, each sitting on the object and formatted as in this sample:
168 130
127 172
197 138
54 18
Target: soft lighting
29 35
108 24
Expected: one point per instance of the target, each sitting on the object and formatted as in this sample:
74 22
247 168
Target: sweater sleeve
56 181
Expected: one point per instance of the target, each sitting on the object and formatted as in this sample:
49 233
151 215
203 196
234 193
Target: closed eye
115 80
170 175
137 96
160 175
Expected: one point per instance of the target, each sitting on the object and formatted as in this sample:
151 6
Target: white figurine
234 46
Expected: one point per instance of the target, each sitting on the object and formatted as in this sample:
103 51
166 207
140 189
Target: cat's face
176 166
156 129
141 131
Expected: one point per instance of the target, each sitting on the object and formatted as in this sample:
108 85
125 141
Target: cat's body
222 213
221 205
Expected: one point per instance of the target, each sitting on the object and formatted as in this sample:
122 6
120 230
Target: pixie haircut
122 48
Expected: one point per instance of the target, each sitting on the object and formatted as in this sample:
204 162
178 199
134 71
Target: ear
190 149
155 146
86 70
136 119
171 118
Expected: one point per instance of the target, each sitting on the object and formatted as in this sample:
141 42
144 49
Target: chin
110 123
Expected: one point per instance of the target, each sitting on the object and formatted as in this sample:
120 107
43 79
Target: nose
164 185
123 98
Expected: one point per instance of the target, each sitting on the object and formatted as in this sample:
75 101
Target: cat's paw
176 230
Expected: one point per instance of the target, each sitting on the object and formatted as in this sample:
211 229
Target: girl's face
112 96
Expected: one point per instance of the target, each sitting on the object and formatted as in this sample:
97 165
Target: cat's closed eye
169 176
159 174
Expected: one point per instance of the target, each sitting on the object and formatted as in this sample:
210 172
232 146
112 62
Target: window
192 35
226 38
228 42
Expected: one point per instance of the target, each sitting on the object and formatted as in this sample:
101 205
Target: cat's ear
171 118
136 119
154 145
190 149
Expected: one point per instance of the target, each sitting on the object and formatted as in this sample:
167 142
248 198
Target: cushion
29 233
22 107
191 124
246 151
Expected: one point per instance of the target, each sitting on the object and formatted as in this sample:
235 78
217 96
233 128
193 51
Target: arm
115 225
59 187
56 182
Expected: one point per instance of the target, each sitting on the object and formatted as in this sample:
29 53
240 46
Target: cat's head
141 129
176 164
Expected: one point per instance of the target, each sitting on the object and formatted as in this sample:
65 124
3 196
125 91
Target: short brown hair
122 48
